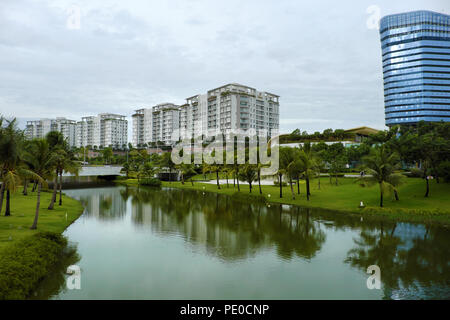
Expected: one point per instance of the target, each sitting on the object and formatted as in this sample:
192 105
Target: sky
79 58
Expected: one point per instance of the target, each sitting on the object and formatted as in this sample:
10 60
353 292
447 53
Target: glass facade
416 67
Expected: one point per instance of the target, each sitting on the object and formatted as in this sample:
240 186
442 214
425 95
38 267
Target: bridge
89 171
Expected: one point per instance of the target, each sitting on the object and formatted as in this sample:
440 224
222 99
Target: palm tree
126 169
41 160
10 147
59 155
216 168
319 167
186 170
308 165
380 166
285 158
248 174
166 161
68 165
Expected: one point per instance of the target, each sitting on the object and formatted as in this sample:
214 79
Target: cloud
320 58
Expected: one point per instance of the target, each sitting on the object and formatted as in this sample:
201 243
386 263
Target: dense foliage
26 262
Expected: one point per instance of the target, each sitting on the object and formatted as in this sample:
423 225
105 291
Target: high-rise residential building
416 67
156 124
40 128
103 130
227 108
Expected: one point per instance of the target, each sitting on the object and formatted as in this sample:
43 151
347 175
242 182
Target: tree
126 169
41 159
319 166
248 173
187 171
380 166
308 165
69 165
146 170
10 161
57 145
284 160
107 153
166 161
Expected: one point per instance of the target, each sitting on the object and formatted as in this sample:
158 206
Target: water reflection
55 282
412 258
104 203
229 229
301 253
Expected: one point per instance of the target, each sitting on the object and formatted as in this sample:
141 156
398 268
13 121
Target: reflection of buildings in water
105 203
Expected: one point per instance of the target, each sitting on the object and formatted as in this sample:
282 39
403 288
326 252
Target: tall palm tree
59 155
186 170
285 158
41 161
248 174
380 166
69 165
319 167
11 140
308 165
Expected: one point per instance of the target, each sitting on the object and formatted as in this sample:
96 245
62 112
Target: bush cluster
152 182
26 262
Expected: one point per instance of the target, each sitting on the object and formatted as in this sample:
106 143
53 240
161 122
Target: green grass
346 197
17 226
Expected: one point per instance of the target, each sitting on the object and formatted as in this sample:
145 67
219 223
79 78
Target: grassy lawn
413 206
17 226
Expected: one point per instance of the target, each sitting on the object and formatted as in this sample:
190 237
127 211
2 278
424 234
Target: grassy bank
346 197
17 226
26 256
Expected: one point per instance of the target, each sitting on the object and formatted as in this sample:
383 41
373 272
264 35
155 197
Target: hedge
26 262
153 182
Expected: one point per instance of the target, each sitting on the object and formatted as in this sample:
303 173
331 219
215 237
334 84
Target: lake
144 243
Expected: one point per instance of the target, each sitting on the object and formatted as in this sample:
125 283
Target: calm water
176 244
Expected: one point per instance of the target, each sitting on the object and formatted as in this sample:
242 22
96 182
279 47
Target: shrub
284 184
152 182
26 262
443 170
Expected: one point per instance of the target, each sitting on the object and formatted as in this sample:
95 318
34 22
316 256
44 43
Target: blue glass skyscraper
416 67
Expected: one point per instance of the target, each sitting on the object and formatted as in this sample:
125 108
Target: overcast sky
321 57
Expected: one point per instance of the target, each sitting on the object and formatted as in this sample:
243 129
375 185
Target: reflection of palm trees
423 261
229 229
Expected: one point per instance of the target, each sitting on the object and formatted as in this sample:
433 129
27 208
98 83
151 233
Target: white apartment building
158 123
103 130
40 128
227 108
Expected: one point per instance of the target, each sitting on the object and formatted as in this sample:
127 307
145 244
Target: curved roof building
416 67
